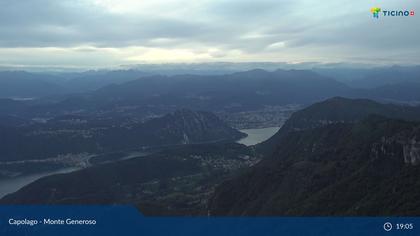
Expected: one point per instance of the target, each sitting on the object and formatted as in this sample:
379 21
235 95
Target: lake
12 185
257 135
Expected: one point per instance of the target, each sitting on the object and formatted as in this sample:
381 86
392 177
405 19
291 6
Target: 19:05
406 226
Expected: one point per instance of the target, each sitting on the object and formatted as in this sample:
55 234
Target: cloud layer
111 32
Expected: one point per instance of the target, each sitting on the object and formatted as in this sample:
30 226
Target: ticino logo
376 11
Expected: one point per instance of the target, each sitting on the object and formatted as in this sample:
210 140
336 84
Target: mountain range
341 157
123 92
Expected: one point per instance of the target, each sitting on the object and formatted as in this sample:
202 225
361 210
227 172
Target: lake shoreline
256 136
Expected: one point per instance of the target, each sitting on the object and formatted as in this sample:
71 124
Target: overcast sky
93 33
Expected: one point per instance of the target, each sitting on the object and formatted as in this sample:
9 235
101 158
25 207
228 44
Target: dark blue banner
126 220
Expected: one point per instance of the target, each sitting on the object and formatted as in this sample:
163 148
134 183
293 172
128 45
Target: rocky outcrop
411 151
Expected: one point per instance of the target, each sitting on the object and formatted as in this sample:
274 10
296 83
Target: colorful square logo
375 11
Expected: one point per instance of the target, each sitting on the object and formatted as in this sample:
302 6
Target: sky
93 33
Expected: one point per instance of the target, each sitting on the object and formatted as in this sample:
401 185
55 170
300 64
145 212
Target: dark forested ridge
338 110
363 168
77 134
174 182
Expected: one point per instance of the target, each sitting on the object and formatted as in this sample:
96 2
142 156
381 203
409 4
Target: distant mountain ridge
241 90
369 78
22 84
108 91
375 83
157 94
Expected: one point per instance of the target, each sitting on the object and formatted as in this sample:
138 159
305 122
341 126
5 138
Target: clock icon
387 226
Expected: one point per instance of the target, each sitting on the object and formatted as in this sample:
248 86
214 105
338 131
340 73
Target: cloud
110 32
